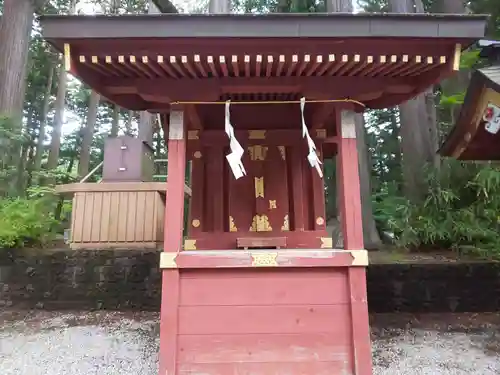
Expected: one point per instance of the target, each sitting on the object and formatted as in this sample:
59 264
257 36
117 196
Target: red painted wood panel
318 197
296 195
282 348
360 321
197 203
264 321
307 187
294 239
290 190
269 368
276 188
350 198
279 287
207 320
214 189
174 219
352 228
241 198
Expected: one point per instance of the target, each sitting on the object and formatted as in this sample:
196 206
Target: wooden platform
116 215
282 318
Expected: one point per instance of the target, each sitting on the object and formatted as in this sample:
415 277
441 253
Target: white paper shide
312 156
234 157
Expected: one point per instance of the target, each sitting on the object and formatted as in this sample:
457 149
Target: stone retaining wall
124 280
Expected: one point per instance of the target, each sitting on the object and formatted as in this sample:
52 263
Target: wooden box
127 159
112 215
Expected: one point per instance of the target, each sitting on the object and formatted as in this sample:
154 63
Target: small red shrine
256 102
476 134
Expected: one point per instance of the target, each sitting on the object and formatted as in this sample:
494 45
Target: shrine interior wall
130 280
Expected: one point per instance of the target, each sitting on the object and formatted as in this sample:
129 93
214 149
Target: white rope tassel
234 158
312 157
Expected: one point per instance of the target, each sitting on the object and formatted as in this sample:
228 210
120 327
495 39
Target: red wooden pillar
174 215
352 230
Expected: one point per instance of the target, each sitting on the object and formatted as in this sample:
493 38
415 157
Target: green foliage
461 211
25 222
11 139
492 8
469 58
25 219
274 6
452 100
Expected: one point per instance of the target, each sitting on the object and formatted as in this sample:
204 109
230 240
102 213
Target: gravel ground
107 343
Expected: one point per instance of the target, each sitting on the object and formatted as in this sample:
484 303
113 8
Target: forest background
53 128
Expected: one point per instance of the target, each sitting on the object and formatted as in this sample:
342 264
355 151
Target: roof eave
258 26
453 145
456 135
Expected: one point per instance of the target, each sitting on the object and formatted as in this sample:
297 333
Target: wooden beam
71 189
321 116
174 222
193 259
171 90
193 117
275 137
352 229
456 57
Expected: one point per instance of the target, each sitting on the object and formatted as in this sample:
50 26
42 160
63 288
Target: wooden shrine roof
145 62
468 140
276 25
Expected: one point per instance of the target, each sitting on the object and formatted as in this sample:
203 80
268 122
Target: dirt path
107 343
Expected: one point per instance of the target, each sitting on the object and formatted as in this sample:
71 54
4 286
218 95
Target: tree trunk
55 143
128 123
115 6
22 161
43 124
60 203
152 8
402 6
115 121
459 82
451 6
419 6
15 35
413 148
419 140
338 6
370 234
146 128
145 118
158 146
88 134
219 6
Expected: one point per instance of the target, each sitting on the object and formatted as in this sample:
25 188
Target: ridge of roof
280 15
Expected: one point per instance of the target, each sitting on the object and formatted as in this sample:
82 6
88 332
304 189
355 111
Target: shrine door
259 201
